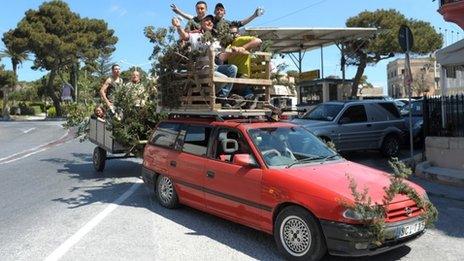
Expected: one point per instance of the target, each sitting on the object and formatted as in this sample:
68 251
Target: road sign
405 38
310 75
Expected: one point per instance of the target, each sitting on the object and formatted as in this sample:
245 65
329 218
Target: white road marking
74 239
32 151
28 130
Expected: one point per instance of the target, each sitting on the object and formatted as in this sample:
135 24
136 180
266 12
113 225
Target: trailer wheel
99 159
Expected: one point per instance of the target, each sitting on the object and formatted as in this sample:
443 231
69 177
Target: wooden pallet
199 82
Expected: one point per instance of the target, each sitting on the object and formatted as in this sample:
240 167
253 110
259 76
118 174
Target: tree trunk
6 108
73 79
357 77
52 94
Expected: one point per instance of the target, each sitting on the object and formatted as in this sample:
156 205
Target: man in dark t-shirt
220 13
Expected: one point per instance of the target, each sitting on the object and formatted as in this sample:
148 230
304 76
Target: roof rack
220 115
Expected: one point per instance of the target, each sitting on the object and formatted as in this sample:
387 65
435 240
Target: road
55 206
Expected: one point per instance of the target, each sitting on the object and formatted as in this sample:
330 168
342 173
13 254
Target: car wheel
391 146
166 192
298 235
99 159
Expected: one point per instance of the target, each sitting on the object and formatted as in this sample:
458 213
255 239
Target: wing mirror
244 160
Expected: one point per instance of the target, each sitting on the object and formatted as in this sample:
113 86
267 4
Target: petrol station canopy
294 40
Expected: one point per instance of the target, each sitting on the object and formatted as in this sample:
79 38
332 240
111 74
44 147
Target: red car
275 177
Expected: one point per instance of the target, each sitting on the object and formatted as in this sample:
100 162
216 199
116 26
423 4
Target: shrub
26 110
40 104
51 112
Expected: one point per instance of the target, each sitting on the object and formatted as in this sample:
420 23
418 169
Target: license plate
410 229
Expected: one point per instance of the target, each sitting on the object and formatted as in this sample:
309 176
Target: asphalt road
55 206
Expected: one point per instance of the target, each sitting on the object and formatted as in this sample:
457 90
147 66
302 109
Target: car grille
402 210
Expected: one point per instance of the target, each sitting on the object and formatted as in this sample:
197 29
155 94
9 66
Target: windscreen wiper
308 159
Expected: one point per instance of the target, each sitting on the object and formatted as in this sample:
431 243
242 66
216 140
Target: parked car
275 177
357 125
417 120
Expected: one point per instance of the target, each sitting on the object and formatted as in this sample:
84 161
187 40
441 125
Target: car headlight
352 214
355 215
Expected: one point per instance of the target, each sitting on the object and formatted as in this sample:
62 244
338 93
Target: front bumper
352 240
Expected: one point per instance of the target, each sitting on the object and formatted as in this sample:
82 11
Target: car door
383 116
190 163
354 129
232 190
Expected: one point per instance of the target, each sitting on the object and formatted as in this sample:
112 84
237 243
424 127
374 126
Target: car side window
228 143
165 135
391 110
354 114
196 140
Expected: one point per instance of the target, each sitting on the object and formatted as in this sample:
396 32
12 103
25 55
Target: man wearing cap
195 41
220 13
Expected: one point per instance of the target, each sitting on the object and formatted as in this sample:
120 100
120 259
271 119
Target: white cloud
116 9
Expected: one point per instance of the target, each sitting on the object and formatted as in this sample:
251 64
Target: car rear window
324 112
165 135
391 108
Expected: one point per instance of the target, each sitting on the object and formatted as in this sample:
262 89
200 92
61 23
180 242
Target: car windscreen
289 146
324 112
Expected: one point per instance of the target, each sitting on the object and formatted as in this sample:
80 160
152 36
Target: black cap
219 5
208 17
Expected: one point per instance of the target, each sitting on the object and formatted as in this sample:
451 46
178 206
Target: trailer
100 134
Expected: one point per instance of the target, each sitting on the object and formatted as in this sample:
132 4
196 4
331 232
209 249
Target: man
194 39
194 22
110 85
136 87
220 12
241 47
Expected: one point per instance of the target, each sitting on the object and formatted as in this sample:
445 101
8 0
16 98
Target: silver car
357 125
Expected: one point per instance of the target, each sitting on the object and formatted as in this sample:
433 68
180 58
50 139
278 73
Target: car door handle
173 163
368 125
210 174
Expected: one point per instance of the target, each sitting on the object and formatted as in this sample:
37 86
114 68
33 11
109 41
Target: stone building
424 73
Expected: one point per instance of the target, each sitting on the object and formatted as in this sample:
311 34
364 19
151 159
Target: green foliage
60 38
7 78
51 112
373 215
169 58
133 124
78 115
385 43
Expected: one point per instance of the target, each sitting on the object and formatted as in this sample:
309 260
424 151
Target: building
424 73
452 57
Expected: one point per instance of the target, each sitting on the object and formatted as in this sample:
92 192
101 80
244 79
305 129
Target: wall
445 152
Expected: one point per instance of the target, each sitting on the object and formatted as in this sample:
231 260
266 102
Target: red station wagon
275 177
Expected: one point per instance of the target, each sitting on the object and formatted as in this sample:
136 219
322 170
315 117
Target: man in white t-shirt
194 39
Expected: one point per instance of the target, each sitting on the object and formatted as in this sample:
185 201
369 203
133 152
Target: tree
385 44
7 80
60 39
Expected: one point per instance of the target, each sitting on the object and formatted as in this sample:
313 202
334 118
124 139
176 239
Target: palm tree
16 58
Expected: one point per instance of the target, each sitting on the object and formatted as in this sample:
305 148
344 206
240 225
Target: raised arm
104 91
182 33
247 20
176 10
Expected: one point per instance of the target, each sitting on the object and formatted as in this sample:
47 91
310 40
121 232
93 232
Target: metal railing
444 116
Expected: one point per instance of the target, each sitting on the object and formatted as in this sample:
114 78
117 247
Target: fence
444 116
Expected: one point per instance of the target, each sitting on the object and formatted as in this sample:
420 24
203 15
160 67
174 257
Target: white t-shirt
197 44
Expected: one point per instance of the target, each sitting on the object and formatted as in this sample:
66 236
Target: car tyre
99 159
391 146
298 235
166 192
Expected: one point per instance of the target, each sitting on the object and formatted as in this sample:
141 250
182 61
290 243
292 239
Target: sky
128 19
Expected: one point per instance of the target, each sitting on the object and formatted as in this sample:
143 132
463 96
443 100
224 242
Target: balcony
452 11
